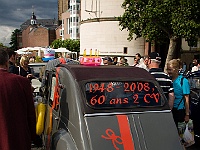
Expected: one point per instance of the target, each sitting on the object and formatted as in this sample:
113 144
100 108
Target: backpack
183 99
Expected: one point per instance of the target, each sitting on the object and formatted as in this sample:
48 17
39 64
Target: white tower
33 18
100 30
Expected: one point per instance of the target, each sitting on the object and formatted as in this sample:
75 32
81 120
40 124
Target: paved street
192 148
189 148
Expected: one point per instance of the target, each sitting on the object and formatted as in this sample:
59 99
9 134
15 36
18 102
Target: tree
2 46
70 44
14 41
156 20
56 43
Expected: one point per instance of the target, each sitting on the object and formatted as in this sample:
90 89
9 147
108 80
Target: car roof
82 72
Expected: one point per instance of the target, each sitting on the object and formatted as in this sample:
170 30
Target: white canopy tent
28 50
62 50
39 50
22 52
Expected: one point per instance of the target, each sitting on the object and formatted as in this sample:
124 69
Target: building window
61 32
77 30
20 44
77 19
68 26
125 50
77 7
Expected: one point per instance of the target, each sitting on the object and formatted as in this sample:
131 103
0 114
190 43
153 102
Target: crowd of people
174 83
175 87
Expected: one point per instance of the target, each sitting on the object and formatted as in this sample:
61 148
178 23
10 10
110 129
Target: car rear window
123 94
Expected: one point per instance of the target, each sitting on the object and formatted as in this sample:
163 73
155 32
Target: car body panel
146 131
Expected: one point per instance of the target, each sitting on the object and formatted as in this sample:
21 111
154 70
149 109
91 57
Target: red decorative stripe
125 131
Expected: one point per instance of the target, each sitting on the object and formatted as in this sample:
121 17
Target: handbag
188 135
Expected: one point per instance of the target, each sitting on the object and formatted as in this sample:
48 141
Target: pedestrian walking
12 61
144 63
181 91
163 79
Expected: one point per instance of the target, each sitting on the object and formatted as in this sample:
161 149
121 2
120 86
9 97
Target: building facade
63 6
39 32
34 36
74 20
71 21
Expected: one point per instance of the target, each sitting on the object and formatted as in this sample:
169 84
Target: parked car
36 70
106 108
194 79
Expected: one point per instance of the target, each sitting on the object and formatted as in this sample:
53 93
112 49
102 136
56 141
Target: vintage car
105 108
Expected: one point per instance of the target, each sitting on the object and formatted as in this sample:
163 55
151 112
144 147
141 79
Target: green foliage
161 19
70 44
38 59
3 46
13 41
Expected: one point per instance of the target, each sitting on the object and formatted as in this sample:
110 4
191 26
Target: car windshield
36 68
126 94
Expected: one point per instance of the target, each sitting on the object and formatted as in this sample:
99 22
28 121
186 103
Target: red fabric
17 112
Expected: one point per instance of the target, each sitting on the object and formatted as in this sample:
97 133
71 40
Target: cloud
5 34
14 13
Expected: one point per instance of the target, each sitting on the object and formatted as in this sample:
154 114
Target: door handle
56 118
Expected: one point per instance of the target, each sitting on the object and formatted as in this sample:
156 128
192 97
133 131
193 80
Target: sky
15 12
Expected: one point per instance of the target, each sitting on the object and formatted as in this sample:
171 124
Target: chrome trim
137 134
121 113
141 130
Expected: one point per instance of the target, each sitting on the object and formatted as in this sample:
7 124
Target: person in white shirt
144 63
196 65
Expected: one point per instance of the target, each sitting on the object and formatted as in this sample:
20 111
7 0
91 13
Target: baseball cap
107 58
154 56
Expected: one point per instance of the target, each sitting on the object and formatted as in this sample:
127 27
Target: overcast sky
15 12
